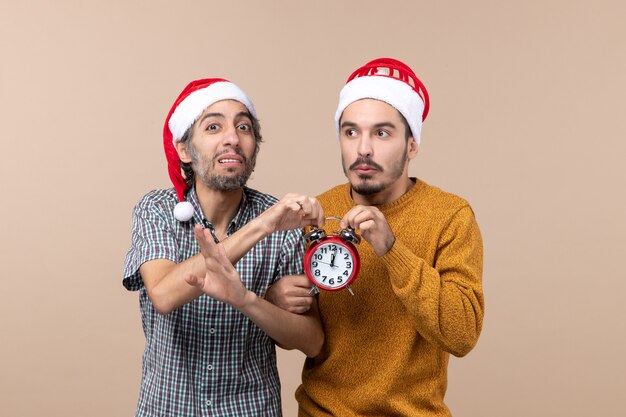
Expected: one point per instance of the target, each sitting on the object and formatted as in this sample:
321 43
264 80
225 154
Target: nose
231 137
365 146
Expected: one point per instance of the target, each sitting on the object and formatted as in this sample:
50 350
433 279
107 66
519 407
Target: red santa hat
192 101
393 82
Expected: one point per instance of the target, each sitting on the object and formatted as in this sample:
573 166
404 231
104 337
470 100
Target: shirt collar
241 217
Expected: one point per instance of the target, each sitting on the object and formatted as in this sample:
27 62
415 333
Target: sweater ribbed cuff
401 264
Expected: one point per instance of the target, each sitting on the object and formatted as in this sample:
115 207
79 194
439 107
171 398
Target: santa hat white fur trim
190 109
394 92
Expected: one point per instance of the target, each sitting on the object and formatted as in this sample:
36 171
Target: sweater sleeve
445 299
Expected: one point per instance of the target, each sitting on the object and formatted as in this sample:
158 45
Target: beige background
526 122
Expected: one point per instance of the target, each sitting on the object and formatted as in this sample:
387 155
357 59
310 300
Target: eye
212 127
245 127
350 133
382 133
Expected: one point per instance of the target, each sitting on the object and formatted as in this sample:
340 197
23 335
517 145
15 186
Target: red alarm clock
332 262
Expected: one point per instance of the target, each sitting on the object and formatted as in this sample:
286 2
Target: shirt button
210 367
209 403
212 330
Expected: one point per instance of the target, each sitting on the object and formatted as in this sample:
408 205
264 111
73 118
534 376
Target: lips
365 166
230 159
364 169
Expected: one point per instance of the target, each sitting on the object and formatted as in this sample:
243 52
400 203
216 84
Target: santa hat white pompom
183 211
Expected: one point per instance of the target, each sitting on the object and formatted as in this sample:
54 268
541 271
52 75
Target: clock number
324 278
331 281
314 264
339 279
348 264
333 248
324 250
345 272
318 256
346 256
317 272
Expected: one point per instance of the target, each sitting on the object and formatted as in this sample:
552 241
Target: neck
218 207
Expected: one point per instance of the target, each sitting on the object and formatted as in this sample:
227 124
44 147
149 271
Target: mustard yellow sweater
387 348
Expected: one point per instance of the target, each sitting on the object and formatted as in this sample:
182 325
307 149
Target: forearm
244 239
446 304
291 331
165 280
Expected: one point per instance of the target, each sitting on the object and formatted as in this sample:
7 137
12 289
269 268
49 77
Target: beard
204 170
366 185
368 188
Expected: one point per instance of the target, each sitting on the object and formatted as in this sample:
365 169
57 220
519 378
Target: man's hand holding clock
293 211
370 222
293 293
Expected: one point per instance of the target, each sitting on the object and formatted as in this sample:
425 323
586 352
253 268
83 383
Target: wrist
392 241
249 300
387 247
263 226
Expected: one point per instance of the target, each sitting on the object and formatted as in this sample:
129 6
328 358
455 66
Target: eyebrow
244 114
376 126
206 116
385 124
220 115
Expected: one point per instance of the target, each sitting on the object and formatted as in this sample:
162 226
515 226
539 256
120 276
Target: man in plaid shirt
209 333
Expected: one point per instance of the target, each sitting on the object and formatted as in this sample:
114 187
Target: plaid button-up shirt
206 358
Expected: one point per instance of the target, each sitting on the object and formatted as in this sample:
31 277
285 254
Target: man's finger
297 280
320 218
198 232
204 239
301 292
299 310
305 206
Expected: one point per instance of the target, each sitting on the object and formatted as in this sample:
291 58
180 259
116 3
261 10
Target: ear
413 148
183 155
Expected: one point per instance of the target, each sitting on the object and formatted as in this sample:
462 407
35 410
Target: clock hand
332 260
326 263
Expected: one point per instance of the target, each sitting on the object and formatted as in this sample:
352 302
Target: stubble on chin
365 186
361 184
205 171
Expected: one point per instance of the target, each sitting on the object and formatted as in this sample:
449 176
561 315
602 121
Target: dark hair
186 140
408 133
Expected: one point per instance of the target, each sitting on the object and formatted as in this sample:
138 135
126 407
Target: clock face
332 264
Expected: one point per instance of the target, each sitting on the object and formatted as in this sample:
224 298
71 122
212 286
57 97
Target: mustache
365 160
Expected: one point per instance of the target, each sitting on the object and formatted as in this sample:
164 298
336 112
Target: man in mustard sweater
418 297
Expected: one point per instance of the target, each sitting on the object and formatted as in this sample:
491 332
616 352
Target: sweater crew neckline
387 207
